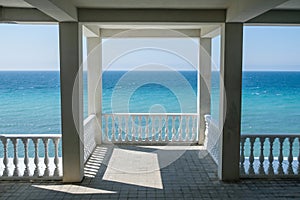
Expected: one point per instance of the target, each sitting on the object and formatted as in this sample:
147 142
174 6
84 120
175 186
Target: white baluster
271 157
261 156
36 156
113 129
140 137
290 157
5 156
26 158
133 137
251 158
173 138
56 160
187 128
119 128
180 129
147 128
280 157
166 128
193 128
106 128
153 129
126 129
242 156
160 128
46 159
16 159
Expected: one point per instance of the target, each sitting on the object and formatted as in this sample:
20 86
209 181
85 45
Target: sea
30 100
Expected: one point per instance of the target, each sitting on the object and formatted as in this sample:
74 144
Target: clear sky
35 47
29 47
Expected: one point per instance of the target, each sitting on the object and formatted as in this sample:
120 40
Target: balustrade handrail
276 135
88 119
20 136
152 114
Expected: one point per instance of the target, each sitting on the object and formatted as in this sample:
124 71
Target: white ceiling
180 4
292 5
14 3
153 26
172 4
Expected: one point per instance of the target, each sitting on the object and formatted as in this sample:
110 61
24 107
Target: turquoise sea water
30 101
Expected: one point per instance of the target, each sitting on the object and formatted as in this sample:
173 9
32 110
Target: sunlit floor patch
134 167
73 189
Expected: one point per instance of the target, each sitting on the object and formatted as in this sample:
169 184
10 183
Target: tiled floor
140 172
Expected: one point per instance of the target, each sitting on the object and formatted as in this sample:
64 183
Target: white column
230 100
70 41
204 83
94 65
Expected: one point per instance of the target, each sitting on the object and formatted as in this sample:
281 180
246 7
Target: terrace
138 155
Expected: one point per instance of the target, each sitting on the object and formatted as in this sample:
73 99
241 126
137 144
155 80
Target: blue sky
35 47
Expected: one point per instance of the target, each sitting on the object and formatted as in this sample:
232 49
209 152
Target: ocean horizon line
149 70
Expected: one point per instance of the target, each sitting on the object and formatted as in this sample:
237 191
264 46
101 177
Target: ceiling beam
61 10
279 17
1 12
23 15
152 15
149 32
244 10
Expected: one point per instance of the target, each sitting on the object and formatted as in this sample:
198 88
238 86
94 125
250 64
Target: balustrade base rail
154 143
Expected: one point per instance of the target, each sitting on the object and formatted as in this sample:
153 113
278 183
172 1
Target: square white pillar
204 84
70 42
94 65
230 100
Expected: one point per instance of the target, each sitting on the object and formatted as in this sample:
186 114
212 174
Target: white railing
150 128
270 155
30 156
212 138
90 129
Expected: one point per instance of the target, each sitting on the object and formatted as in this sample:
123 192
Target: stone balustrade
150 128
261 155
38 156
90 131
270 155
212 138
28 156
